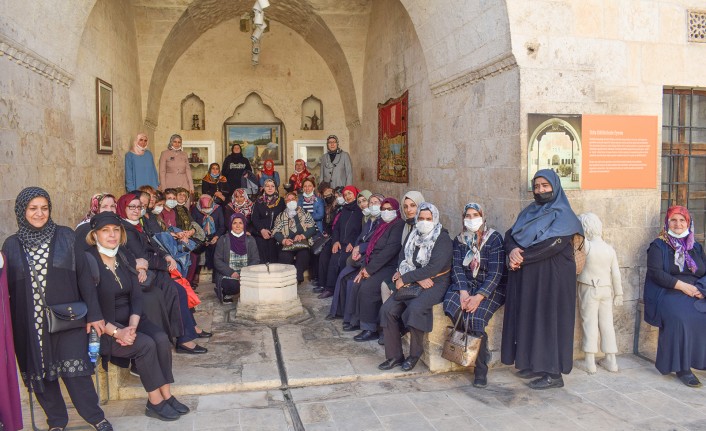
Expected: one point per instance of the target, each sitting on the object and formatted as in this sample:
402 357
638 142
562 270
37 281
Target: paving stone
408 421
388 405
313 413
456 423
263 420
354 414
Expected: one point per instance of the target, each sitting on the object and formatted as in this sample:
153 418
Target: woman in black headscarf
44 268
234 166
538 328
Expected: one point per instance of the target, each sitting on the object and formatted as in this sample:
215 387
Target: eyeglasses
135 207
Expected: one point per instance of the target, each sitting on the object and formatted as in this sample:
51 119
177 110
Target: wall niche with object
193 113
312 114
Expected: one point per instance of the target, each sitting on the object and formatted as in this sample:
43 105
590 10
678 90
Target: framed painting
393 156
104 116
259 141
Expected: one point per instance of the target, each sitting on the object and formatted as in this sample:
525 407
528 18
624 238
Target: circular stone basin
268 292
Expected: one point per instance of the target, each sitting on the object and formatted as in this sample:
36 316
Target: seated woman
312 203
362 200
425 259
234 251
674 297
264 214
239 203
128 334
210 217
293 228
478 278
379 261
269 173
178 321
100 202
215 185
296 180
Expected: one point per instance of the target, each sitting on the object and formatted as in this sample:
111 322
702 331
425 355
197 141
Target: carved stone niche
312 114
193 113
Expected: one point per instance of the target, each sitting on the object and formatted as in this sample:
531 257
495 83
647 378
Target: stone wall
47 126
217 68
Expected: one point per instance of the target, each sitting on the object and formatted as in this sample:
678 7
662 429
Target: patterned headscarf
206 207
424 242
246 207
95 208
415 197
29 235
273 199
681 246
474 240
297 178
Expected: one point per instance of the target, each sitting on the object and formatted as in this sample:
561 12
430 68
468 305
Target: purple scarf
238 245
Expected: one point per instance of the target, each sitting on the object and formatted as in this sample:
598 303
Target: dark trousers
83 396
337 263
313 266
324 259
152 353
392 314
268 249
187 317
298 258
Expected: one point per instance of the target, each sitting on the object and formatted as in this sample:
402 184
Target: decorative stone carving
24 56
492 68
193 113
312 114
268 292
697 26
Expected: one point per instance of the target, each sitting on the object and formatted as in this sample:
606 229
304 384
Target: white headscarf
425 243
417 198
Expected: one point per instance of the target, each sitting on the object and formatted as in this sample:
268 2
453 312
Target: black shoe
204 334
381 339
57 429
480 381
366 336
330 317
547 382
103 425
161 411
179 407
347 327
690 380
390 364
528 374
410 363
317 289
180 348
227 299
325 294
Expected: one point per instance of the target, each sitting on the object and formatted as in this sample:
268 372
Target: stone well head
268 292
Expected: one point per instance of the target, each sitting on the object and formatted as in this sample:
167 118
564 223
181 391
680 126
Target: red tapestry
393 157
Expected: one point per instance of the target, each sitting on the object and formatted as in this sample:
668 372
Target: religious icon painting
393 155
104 116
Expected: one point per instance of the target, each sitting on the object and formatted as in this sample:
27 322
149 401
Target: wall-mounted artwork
393 156
259 141
312 114
104 116
193 113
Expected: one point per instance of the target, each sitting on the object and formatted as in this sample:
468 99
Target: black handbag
319 242
406 292
61 317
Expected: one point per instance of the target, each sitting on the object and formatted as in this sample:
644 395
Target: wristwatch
115 331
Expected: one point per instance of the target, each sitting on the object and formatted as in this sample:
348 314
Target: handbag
412 290
296 245
319 242
61 317
579 252
460 347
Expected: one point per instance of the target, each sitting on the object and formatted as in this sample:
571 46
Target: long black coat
68 280
540 308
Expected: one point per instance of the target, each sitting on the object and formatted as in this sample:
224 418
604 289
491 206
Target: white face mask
681 235
388 215
171 203
107 251
340 200
425 226
374 210
366 211
308 195
238 235
473 224
157 209
132 222
292 205
143 211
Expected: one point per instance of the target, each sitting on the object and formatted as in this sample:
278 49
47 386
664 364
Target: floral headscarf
246 207
681 246
474 240
95 207
273 199
297 178
206 207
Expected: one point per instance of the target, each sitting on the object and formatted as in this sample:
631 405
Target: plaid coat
490 281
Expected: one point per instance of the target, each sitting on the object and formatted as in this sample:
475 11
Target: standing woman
234 166
216 185
336 167
139 166
174 169
44 268
478 278
265 211
540 308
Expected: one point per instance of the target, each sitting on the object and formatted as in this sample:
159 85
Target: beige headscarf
417 198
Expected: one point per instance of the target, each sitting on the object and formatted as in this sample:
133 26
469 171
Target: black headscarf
29 235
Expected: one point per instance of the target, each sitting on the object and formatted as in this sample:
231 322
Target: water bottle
94 345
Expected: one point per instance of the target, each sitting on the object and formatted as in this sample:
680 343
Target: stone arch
299 15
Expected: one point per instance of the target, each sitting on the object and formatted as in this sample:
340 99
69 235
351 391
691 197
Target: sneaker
162 411
103 425
179 407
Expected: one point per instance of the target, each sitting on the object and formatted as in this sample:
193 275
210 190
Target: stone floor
328 381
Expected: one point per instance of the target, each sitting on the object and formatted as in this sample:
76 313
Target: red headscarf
268 168
351 189
123 202
383 227
681 246
298 178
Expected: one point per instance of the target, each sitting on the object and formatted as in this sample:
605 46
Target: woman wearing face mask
296 180
58 274
174 169
265 212
129 334
478 278
139 165
234 166
269 173
379 261
425 259
541 288
346 229
362 200
168 212
293 228
234 251
215 185
210 217
312 204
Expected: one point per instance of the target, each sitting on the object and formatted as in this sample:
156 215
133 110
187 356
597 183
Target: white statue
599 289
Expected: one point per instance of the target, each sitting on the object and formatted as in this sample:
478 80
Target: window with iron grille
684 153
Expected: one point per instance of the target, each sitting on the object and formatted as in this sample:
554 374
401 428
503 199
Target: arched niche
193 113
312 114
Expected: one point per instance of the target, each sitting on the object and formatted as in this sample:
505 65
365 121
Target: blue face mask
215 176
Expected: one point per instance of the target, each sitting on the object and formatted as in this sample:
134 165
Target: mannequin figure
599 289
